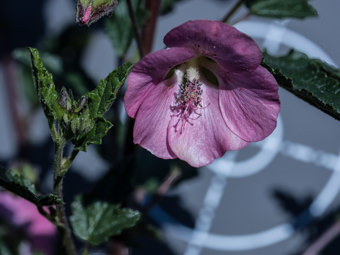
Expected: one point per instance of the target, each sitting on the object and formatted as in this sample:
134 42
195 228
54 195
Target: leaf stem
135 28
161 191
69 161
331 233
62 223
232 11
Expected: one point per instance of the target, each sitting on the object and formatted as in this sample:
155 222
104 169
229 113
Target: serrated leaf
310 79
101 98
99 130
281 8
45 87
24 188
119 28
98 221
99 101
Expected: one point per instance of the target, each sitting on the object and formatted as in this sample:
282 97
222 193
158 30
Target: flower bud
89 11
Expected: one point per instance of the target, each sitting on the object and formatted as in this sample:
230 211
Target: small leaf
24 188
119 26
310 79
96 222
99 102
101 98
45 87
281 8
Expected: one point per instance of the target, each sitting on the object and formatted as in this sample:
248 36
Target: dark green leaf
281 8
119 26
102 97
99 101
310 79
23 187
45 87
96 222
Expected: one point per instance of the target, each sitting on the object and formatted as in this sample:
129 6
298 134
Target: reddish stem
148 31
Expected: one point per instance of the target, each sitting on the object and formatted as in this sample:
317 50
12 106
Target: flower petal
249 103
151 124
230 48
207 138
149 72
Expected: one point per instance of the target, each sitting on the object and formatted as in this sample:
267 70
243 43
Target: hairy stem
135 28
62 223
232 11
325 239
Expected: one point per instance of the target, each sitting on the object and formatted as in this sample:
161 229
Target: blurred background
273 197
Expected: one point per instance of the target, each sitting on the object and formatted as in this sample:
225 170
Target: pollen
188 102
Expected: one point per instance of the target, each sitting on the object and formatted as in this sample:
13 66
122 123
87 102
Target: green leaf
281 8
24 188
119 26
101 98
45 87
98 221
310 79
98 102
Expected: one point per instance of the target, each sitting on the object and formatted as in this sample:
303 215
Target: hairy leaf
45 87
98 102
281 9
24 188
96 222
310 79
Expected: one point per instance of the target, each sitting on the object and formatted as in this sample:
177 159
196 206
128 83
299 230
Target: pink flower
24 215
204 95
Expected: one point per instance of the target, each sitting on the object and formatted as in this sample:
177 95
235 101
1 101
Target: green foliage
119 26
281 8
98 103
80 121
45 87
21 186
98 221
310 79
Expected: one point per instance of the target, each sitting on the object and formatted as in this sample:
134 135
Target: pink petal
233 50
152 120
249 103
149 72
207 138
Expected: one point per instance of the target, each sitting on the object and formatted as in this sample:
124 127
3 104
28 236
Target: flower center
188 100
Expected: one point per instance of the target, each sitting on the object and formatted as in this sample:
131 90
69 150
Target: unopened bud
89 11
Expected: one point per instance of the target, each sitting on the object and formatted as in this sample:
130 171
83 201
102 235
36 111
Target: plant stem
62 223
135 28
161 191
232 11
149 27
327 237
